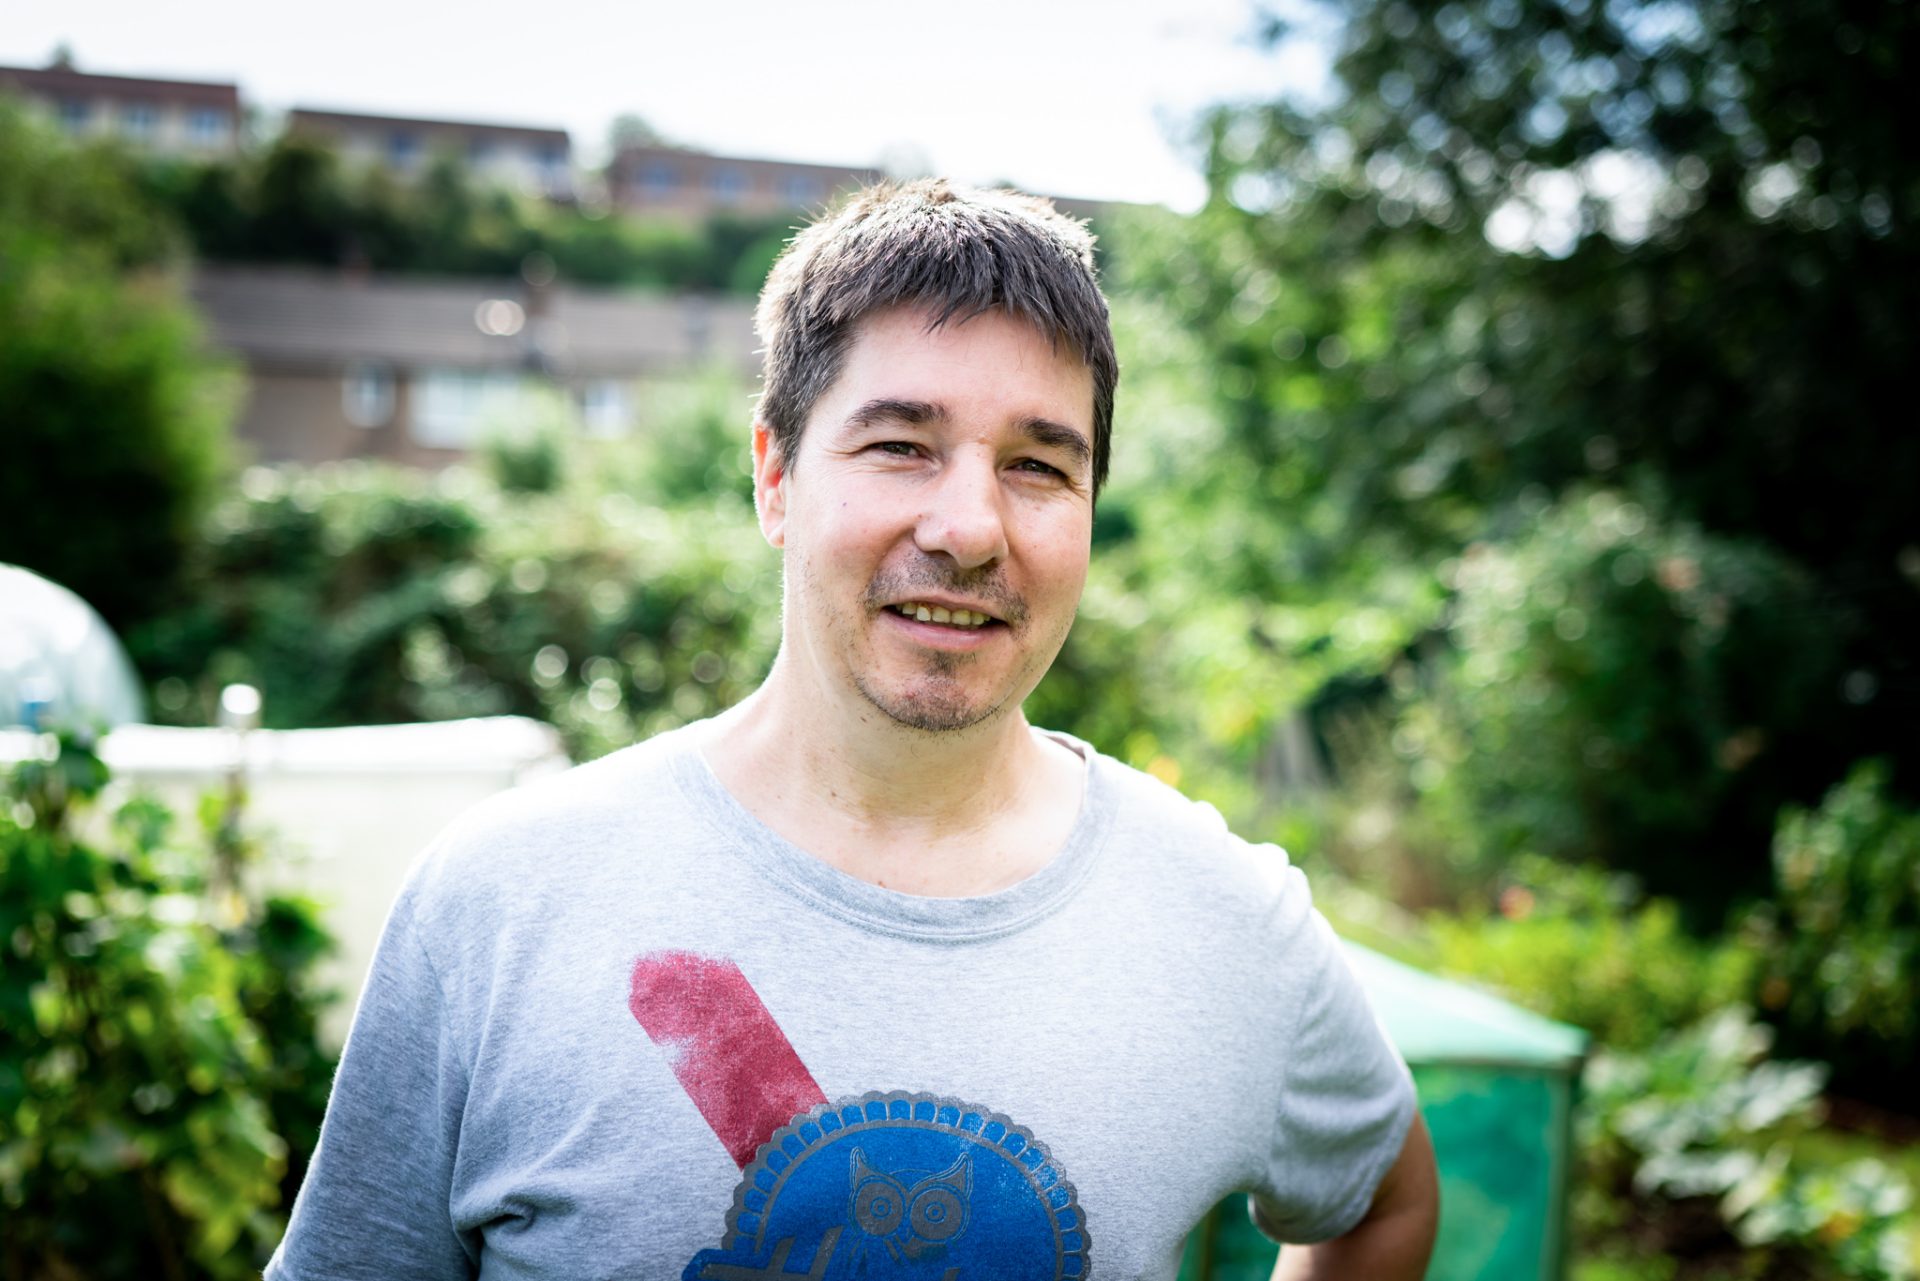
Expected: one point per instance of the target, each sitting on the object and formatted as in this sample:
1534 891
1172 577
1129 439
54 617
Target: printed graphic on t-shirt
889 1184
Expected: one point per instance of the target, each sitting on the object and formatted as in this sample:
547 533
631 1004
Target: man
867 977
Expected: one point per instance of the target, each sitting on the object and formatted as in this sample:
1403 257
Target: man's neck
944 813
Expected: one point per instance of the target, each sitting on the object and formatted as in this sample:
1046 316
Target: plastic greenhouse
59 663
1497 1088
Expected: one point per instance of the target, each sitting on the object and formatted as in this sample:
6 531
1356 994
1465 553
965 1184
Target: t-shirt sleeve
1346 1098
376 1200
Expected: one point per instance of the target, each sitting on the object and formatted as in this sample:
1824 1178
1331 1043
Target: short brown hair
957 251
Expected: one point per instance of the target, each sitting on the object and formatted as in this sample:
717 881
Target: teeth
939 614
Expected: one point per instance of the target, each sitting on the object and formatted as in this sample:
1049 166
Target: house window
659 178
549 168
452 407
729 184
606 407
403 149
74 114
367 394
799 190
137 121
479 153
207 127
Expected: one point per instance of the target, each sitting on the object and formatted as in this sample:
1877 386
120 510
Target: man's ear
769 485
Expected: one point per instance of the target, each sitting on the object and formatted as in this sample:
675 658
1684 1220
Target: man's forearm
1395 1239
1384 1249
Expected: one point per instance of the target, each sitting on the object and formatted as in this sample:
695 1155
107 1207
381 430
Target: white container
343 811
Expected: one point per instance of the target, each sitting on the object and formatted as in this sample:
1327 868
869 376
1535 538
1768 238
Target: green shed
1496 1086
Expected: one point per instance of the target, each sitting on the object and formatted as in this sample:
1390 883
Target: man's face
945 473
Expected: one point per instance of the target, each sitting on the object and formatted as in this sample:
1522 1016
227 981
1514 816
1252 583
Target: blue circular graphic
900 1185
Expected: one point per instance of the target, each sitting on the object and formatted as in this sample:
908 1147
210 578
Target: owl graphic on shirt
913 1214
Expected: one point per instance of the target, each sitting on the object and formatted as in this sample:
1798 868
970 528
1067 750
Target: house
655 179
190 118
349 365
527 158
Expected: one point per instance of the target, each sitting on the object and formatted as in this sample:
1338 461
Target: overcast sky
1072 97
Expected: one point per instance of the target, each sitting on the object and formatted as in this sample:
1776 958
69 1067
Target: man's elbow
1394 1241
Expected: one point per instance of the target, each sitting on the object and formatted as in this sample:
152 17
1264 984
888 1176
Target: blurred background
1512 515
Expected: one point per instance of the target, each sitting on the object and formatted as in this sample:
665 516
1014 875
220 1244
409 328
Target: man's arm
1394 1239
376 1202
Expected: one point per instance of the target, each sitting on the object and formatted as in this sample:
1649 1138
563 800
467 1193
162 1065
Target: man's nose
964 518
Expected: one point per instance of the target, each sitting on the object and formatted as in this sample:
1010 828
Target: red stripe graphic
731 1057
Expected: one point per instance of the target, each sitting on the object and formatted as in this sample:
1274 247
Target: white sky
1070 97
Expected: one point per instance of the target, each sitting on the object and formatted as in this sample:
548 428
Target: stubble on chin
933 711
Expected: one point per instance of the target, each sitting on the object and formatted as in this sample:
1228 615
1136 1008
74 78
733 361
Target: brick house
340 365
654 179
527 158
195 119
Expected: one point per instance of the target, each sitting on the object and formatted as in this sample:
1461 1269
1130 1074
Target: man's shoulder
546 829
1175 832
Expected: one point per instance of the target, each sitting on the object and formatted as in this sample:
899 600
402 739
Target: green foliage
81 199
1859 1215
356 594
1694 1136
1203 631
698 451
296 202
160 1085
1622 690
1841 934
1584 946
525 451
1675 1108
107 388
1516 254
1703 301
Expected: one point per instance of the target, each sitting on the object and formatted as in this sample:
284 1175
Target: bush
1841 936
1585 947
160 1084
1624 692
1688 1153
525 450
357 594
1693 1142
308 590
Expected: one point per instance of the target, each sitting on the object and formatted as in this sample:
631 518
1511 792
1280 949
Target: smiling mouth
924 613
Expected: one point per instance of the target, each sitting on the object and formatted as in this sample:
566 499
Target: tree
295 202
116 418
1523 249
631 130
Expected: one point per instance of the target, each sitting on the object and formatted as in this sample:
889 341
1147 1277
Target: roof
634 154
65 82
306 318
1434 1021
332 121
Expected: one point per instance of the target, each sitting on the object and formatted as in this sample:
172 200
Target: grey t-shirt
617 1027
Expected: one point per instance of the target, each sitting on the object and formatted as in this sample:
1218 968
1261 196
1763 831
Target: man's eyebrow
887 410
1044 431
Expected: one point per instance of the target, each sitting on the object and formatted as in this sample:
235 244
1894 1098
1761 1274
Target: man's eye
898 448
1039 468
